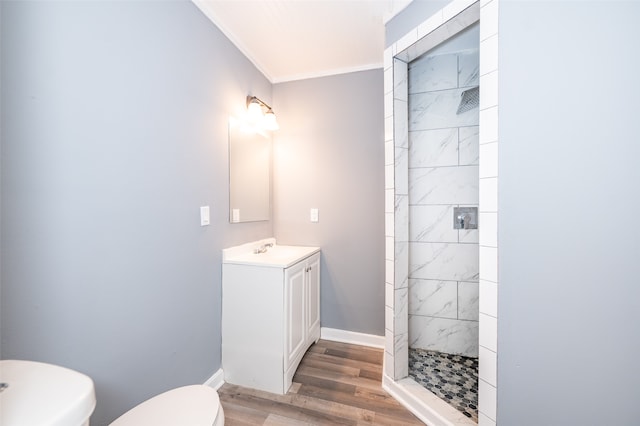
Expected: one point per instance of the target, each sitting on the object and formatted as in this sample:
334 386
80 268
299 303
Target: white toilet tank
35 393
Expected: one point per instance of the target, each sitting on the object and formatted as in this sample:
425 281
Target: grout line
447 318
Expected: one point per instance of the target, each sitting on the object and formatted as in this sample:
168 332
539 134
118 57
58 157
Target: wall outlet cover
314 215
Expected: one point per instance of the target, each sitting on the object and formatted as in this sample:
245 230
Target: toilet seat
194 405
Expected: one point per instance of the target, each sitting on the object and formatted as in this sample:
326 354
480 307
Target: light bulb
254 112
270 122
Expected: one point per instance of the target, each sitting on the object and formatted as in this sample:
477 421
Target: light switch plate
314 215
235 215
204 215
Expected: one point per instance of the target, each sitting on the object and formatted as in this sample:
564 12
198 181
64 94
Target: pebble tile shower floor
453 378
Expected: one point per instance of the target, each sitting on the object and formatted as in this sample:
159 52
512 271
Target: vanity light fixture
254 111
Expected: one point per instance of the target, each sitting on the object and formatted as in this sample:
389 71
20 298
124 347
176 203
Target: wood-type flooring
335 384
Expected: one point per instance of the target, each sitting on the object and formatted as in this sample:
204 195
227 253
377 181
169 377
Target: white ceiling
295 39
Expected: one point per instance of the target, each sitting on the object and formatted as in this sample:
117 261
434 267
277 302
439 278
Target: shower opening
443 154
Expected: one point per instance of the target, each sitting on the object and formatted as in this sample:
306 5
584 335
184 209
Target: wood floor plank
335 384
377 395
276 420
241 415
371 374
324 383
321 362
383 419
332 375
290 411
294 387
317 348
371 370
373 404
330 344
332 359
355 355
331 407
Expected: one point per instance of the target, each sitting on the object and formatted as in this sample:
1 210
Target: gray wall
410 17
114 133
329 155
569 292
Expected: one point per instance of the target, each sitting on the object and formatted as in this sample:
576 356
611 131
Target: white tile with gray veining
469 68
400 122
468 307
389 224
432 224
389 363
401 221
401 354
401 171
433 298
388 271
433 148
442 261
431 73
469 236
388 296
389 155
401 310
388 177
388 201
443 185
444 335
400 76
468 145
401 264
389 247
388 129
438 110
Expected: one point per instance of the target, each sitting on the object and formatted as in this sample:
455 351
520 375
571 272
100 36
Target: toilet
195 405
35 393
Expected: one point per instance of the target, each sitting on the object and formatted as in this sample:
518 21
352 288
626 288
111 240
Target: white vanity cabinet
270 315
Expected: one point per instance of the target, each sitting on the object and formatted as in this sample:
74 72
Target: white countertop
276 256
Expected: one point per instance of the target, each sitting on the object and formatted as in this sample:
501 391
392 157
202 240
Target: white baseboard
216 381
352 337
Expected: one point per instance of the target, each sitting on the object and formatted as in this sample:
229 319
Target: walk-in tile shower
443 132
441 178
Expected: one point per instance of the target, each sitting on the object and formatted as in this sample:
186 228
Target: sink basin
279 256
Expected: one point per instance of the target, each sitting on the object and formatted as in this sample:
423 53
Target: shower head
469 99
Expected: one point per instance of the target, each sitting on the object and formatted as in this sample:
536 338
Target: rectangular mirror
249 174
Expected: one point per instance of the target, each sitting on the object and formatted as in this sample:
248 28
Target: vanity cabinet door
313 298
295 329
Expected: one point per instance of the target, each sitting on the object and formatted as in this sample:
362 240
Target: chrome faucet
263 248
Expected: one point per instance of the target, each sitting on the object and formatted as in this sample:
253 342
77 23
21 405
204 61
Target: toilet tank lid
187 405
39 393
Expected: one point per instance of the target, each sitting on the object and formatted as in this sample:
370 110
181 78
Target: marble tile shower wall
443 154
